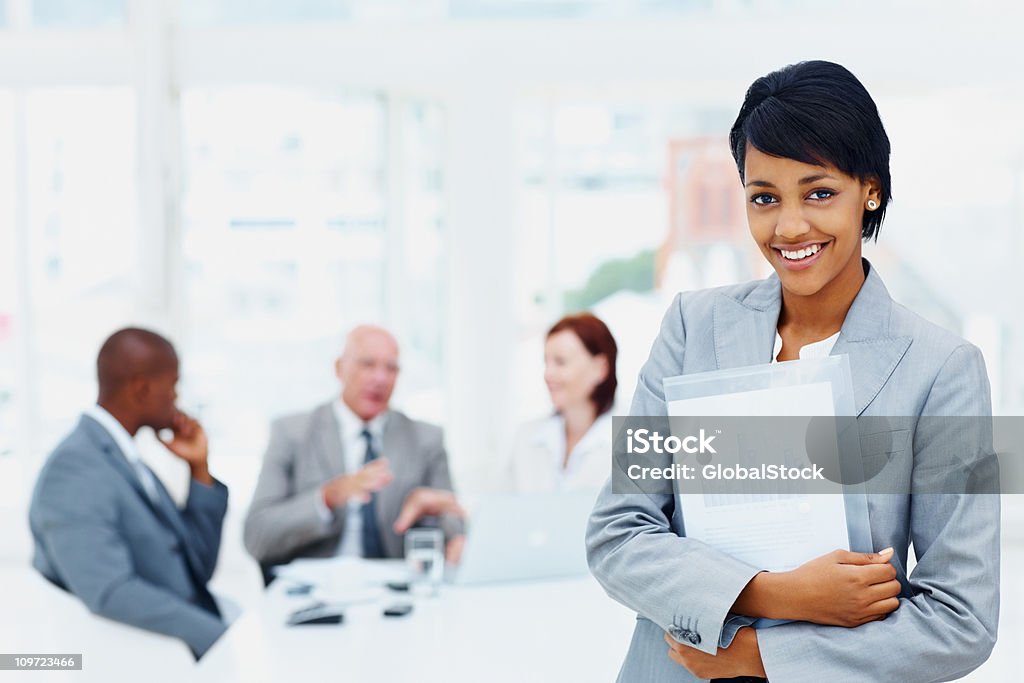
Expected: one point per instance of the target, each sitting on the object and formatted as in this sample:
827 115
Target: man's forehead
372 341
378 353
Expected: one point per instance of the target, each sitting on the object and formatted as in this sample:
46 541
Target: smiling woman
813 157
808 226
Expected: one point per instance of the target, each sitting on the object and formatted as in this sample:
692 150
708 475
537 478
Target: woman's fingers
883 591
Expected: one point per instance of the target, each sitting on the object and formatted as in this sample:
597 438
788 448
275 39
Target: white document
772 531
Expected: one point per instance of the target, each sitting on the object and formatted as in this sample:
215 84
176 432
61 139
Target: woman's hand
841 588
741 658
844 588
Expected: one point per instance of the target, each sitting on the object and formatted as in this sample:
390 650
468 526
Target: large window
284 238
68 266
81 205
305 213
621 205
418 248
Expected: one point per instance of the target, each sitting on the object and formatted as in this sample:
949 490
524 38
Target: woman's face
806 219
570 372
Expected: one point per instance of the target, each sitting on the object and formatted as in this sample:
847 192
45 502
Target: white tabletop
558 630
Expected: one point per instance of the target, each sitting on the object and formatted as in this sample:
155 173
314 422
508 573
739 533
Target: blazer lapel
327 442
106 443
165 508
395 446
865 338
744 329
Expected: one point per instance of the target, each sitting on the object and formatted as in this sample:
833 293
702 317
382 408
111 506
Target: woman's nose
792 224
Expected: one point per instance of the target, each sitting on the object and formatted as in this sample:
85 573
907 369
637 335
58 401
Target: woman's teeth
801 253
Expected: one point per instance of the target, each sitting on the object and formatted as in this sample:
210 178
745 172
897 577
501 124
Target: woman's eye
762 199
822 194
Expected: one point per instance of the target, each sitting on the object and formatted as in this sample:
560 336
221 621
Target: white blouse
535 462
818 349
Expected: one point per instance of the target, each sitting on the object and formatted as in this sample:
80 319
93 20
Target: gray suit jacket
98 535
305 451
902 366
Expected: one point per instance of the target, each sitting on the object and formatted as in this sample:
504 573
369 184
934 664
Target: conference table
558 630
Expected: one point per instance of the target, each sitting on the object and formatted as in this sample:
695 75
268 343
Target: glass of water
424 555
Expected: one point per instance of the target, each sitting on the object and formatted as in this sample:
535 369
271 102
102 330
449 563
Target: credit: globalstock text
725 472
646 441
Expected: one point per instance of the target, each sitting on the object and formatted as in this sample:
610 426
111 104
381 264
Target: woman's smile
800 256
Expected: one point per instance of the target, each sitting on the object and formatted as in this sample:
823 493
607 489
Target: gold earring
872 205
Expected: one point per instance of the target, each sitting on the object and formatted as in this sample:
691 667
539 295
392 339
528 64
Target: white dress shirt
818 349
538 454
353 448
126 443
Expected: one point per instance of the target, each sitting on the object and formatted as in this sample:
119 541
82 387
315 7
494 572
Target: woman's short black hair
817 113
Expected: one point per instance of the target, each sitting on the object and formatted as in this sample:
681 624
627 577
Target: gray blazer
98 535
305 451
902 365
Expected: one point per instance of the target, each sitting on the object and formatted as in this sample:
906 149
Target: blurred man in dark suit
105 527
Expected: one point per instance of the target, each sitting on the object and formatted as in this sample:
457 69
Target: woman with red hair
571 449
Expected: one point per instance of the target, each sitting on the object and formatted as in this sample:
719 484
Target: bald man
351 476
105 528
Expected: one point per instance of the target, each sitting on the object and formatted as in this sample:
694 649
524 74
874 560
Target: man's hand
359 485
427 502
841 588
188 442
741 658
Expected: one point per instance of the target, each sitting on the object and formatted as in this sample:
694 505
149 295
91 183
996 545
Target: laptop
520 537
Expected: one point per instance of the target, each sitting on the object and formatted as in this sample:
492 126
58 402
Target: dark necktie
372 547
